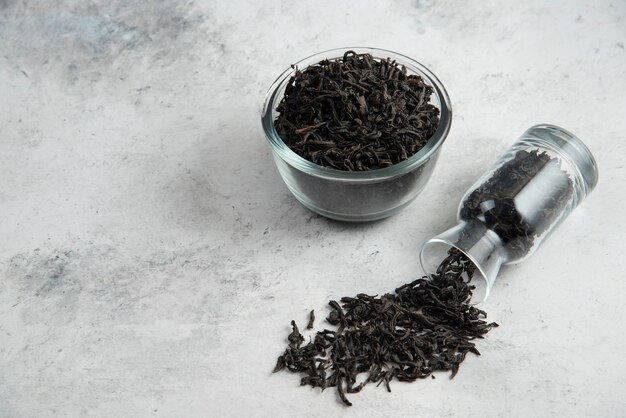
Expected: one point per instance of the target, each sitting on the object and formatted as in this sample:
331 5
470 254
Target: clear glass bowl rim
416 160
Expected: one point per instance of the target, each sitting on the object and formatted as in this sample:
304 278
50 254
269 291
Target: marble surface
151 257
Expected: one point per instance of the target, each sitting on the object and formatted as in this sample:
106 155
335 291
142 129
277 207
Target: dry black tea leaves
356 113
499 201
311 320
423 327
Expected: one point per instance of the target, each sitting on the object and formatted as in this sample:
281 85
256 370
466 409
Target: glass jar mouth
435 250
441 100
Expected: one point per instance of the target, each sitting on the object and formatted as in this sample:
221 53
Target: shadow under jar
357 196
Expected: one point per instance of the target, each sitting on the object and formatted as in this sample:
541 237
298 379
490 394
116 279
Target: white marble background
151 259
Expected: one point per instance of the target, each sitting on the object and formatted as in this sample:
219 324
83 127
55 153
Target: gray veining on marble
150 251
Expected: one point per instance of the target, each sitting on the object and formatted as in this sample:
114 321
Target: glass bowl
356 196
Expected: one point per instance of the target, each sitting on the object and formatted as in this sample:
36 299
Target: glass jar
356 195
515 205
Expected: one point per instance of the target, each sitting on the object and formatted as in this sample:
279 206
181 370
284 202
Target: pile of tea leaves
356 113
423 327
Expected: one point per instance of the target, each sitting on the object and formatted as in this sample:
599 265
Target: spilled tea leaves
423 327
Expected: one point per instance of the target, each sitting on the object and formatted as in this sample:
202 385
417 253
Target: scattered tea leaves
423 327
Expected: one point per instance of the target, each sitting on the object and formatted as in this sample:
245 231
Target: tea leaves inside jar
521 200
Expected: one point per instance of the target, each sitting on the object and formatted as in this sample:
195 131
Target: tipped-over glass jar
516 204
